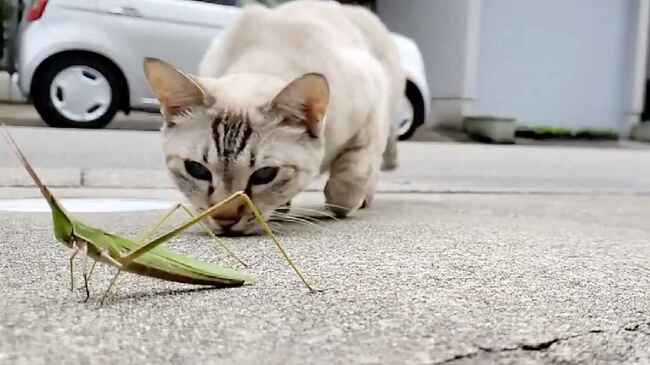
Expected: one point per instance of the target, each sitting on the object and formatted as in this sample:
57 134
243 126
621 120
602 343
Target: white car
80 61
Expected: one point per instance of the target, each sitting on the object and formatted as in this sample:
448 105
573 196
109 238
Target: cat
306 88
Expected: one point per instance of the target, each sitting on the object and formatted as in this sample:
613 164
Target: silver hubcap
80 93
406 116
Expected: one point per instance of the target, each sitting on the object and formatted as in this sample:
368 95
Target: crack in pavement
636 327
540 346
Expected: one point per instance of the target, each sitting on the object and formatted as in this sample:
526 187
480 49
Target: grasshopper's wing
161 263
61 219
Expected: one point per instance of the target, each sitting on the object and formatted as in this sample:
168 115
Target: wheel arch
415 95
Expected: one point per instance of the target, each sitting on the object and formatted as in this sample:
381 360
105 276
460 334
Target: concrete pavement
482 254
418 279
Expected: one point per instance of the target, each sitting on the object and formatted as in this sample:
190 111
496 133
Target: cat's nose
230 212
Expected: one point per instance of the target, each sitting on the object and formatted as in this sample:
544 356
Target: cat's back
324 20
310 31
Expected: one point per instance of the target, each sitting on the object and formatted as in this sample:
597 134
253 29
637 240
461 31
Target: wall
555 62
445 32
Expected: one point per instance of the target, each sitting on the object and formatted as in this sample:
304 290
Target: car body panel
123 39
413 65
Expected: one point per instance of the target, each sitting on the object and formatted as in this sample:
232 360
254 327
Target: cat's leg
354 173
389 159
352 180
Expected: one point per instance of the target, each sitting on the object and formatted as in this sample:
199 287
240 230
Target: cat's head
242 132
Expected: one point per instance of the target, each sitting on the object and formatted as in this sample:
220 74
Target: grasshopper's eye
263 176
197 171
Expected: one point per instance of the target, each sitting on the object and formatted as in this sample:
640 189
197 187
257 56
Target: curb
150 179
146 179
88 178
14 177
126 178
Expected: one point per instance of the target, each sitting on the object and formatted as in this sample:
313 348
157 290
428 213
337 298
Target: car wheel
76 92
411 115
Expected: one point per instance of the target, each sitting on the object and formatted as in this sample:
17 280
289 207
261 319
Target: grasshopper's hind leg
243 198
265 227
147 234
92 269
110 286
214 236
150 245
114 279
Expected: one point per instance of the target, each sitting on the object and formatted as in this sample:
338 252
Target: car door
177 31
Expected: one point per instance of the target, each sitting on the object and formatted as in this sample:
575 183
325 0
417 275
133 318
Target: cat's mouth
242 227
247 225
230 233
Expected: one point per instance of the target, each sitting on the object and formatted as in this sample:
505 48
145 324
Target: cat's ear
175 90
304 102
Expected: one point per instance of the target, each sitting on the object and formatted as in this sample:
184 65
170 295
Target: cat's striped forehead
231 132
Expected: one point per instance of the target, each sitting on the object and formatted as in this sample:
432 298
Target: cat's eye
263 176
197 170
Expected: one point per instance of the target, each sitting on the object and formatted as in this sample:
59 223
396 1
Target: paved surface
119 158
419 279
20 114
487 254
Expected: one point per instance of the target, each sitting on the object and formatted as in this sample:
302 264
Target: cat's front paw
342 200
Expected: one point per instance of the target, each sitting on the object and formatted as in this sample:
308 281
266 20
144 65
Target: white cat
305 88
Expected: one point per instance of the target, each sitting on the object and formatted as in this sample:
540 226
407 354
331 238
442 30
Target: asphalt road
418 279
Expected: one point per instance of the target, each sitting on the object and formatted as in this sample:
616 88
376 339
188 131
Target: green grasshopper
145 258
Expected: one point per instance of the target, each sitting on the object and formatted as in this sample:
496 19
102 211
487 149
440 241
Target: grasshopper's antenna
14 146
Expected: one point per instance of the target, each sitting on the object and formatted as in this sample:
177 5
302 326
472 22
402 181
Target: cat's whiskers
286 217
277 228
335 206
321 214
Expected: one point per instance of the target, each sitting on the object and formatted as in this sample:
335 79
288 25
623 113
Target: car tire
76 91
413 116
